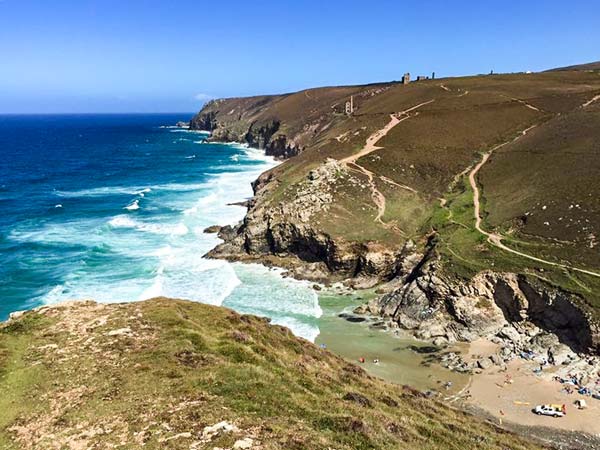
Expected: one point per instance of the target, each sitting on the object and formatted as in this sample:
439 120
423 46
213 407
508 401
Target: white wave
58 206
180 187
178 229
190 157
185 130
100 191
259 155
55 295
130 190
287 302
167 256
155 290
133 206
122 222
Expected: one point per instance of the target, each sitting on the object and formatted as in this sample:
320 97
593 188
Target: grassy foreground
157 373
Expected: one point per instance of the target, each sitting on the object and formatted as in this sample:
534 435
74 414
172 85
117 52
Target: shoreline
337 333
398 362
390 354
510 393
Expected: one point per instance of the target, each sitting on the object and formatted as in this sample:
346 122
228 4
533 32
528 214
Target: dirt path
378 197
588 103
524 103
494 238
370 146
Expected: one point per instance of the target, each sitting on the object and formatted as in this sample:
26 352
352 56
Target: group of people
362 360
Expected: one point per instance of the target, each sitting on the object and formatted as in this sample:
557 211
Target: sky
79 56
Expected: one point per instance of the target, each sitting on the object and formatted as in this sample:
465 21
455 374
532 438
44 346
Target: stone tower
406 78
350 106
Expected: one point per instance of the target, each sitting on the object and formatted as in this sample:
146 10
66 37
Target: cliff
172 374
367 195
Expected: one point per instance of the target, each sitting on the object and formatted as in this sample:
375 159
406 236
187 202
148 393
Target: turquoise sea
113 208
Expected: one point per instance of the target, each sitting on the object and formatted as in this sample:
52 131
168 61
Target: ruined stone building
350 106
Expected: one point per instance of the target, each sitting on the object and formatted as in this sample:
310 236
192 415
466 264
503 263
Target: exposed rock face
243 127
504 306
287 229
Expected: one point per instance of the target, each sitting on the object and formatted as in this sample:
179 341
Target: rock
213 430
16 315
440 341
497 359
510 334
245 443
120 332
351 318
212 229
560 355
484 363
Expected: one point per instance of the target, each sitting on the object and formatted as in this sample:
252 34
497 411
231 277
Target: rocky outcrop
242 125
504 306
287 231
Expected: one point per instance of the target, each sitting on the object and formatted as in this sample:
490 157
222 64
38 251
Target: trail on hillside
589 102
494 238
524 103
370 146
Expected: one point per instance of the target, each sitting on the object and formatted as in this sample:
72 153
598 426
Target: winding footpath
589 102
370 147
496 239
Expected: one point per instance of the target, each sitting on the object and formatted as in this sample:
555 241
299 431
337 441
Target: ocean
113 208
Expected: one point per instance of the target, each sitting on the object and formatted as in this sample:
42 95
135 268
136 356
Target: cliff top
170 374
408 153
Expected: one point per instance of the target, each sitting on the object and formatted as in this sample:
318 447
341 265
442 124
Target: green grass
185 366
529 188
466 252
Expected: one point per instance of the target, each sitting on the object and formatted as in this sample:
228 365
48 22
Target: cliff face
510 308
287 232
265 136
236 120
362 197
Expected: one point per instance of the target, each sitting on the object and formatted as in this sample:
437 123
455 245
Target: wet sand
402 359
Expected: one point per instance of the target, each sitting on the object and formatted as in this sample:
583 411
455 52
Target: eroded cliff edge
399 217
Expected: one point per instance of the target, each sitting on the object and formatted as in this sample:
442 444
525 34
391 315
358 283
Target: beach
401 358
510 394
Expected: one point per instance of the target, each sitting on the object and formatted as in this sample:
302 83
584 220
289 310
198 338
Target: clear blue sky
156 56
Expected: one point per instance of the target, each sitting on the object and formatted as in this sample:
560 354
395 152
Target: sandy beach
510 395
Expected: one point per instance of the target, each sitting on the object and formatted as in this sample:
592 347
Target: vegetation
540 191
158 373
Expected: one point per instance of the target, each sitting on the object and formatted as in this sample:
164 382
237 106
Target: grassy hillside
588 66
539 192
158 373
